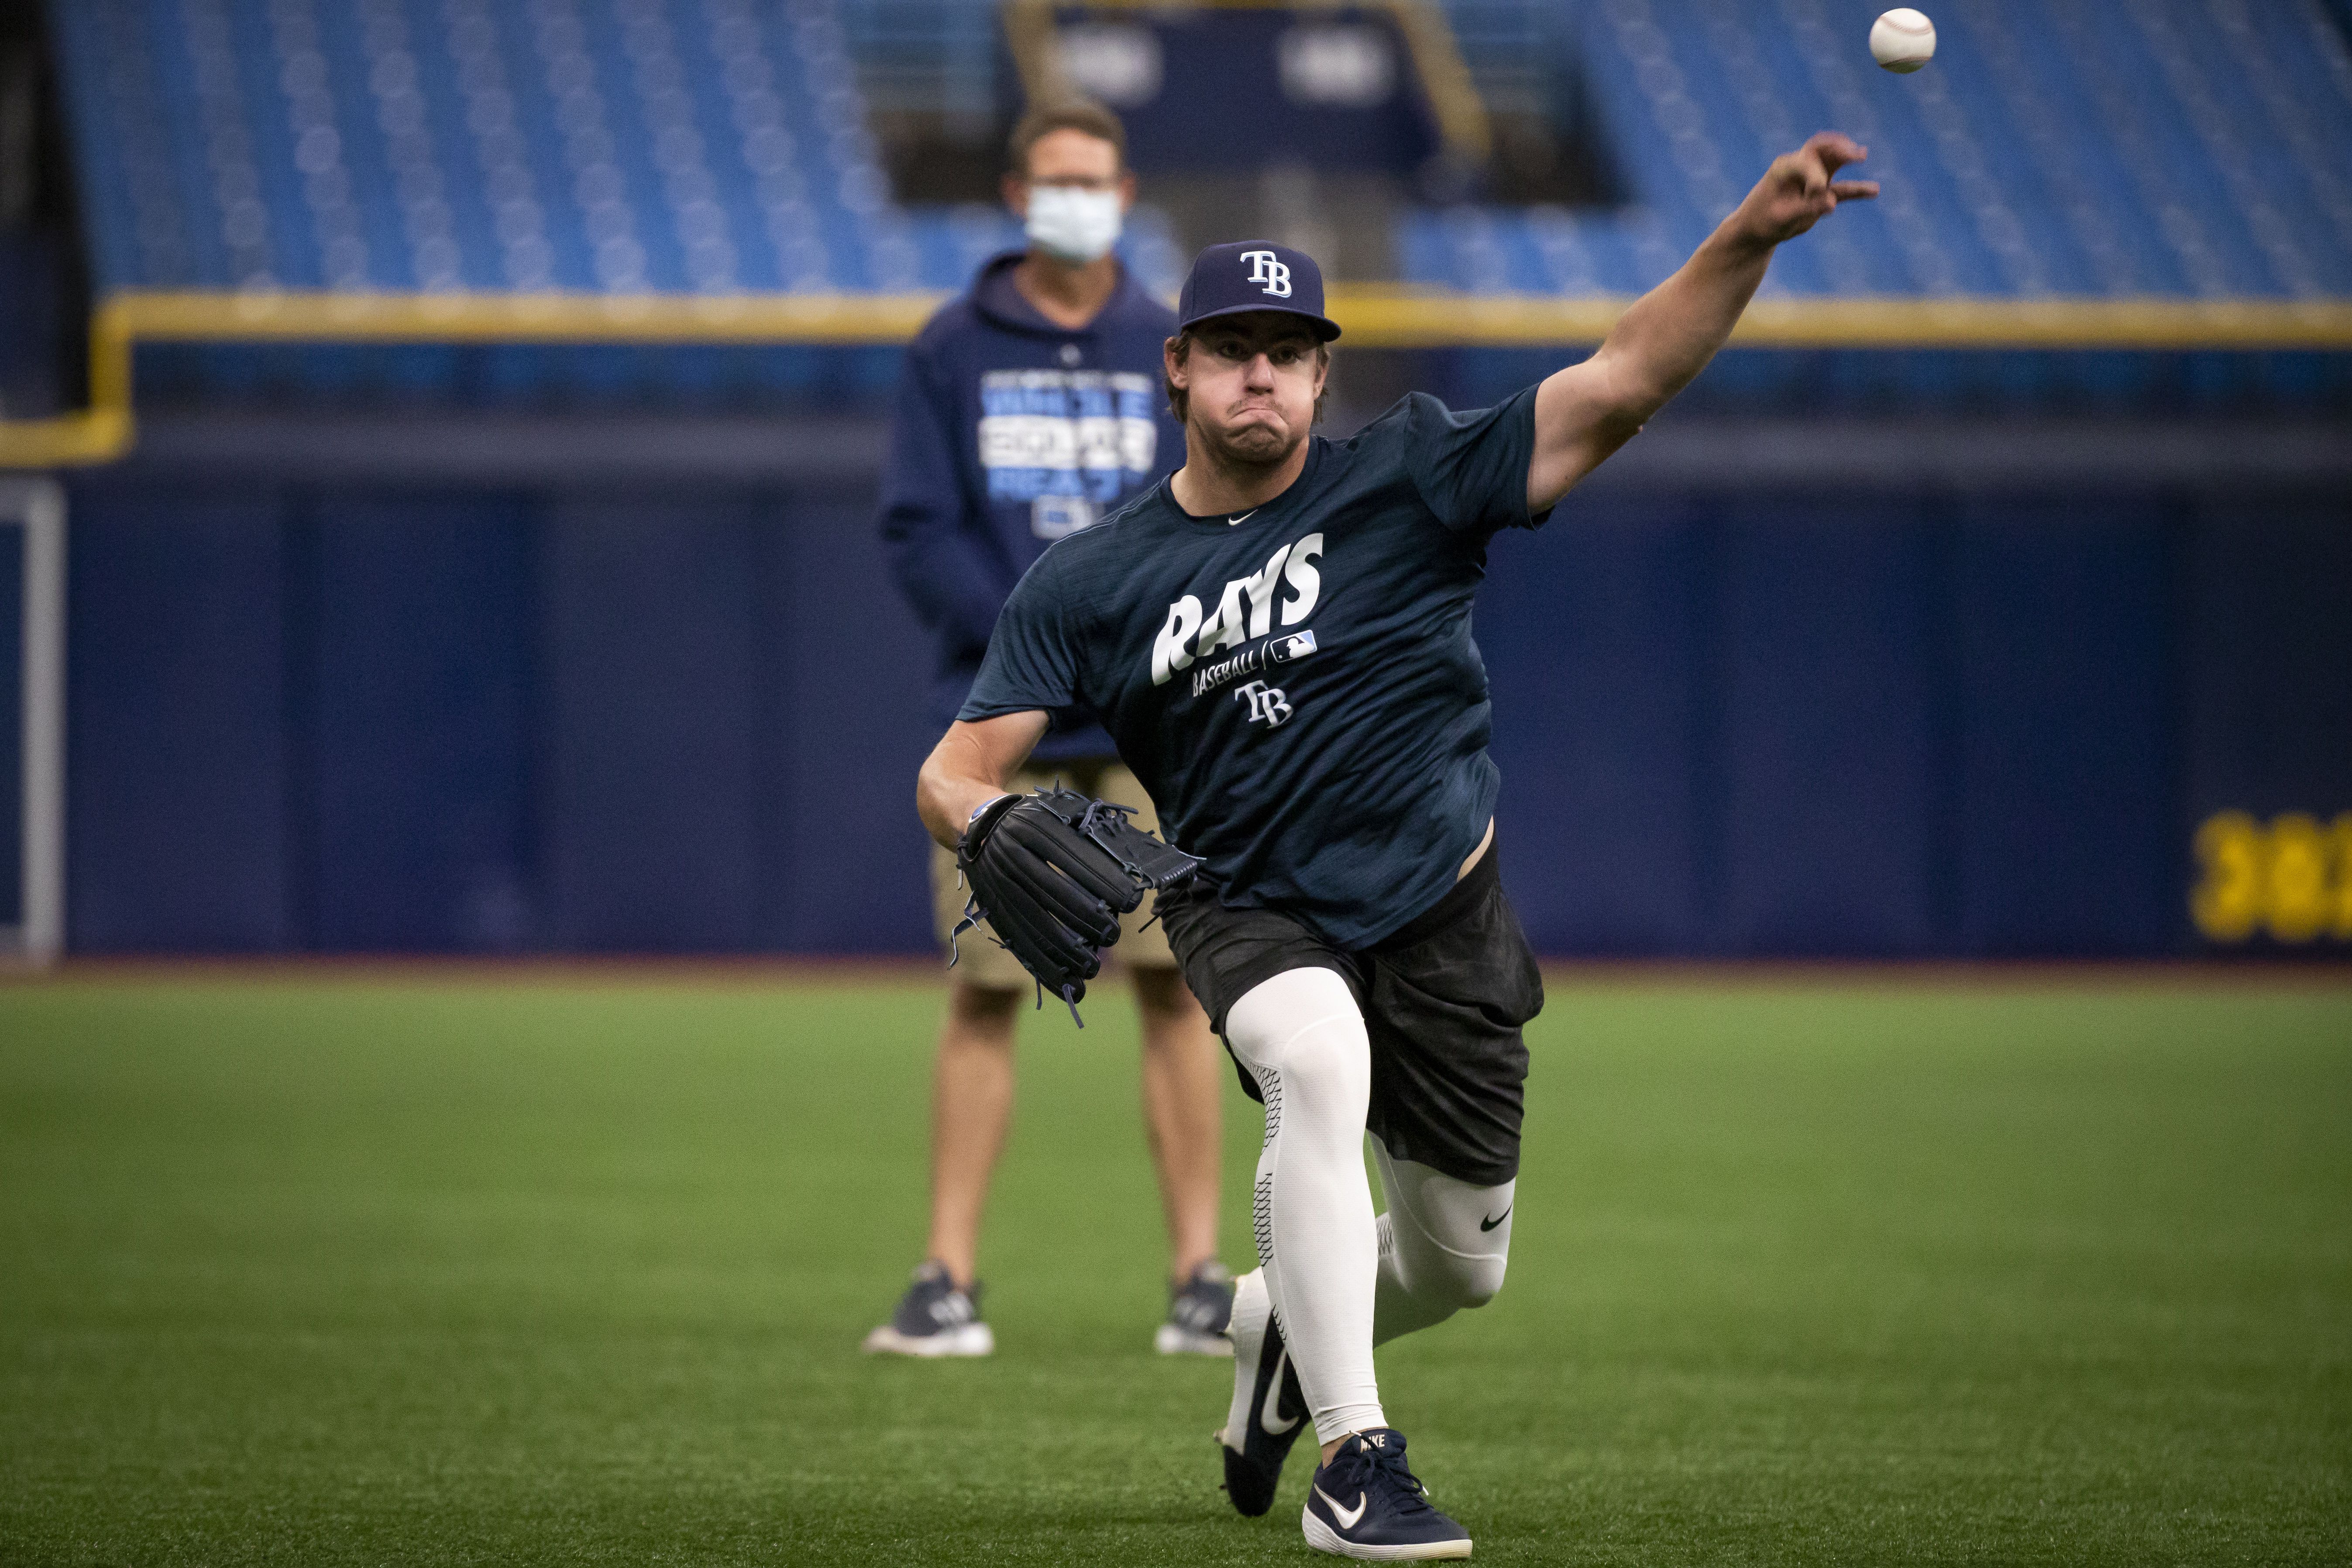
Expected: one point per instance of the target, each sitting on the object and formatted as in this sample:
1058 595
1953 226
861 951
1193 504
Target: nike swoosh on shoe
1269 1414
1347 1517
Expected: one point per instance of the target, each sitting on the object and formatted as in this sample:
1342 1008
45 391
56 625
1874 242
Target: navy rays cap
1255 274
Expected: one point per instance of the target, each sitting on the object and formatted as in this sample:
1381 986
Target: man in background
1029 408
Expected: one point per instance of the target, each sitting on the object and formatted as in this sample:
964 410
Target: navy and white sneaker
1198 1312
1270 1408
1366 1504
934 1318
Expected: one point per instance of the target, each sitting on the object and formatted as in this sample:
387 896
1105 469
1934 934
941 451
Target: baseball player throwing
1278 637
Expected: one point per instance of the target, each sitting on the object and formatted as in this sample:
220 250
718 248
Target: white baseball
1903 39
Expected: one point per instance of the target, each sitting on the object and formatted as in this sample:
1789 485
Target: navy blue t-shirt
1296 687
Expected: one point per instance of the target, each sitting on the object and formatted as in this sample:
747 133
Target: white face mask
1072 224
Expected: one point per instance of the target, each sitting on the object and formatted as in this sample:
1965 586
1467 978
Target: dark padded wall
415 717
2268 661
1839 727
1599 639
177 805
487 723
662 785
12 723
2068 836
686 722
1835 731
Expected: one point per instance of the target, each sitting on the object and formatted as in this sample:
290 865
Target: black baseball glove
1051 872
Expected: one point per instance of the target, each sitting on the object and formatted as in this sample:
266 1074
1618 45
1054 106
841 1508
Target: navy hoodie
1010 433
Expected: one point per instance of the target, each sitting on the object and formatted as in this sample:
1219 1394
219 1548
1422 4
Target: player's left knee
1451 1239
1475 1281
1455 1280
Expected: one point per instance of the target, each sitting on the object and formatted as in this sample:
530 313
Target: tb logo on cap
1267 273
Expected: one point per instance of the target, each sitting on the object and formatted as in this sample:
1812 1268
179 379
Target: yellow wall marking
2292 878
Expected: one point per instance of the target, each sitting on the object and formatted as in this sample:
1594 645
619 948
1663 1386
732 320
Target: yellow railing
1415 318
1371 317
105 429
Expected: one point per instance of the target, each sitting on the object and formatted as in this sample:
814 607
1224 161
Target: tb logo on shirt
1267 705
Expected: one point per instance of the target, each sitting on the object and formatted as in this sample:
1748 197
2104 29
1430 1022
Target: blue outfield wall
326 720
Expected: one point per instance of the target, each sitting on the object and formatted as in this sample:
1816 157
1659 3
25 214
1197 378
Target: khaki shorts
983 962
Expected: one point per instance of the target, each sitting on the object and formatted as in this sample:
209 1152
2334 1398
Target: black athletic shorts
1443 1000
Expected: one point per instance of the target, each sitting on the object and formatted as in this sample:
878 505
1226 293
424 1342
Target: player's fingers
1812 178
1835 148
1854 190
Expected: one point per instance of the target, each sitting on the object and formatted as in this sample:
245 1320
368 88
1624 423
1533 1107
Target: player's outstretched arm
968 769
1586 412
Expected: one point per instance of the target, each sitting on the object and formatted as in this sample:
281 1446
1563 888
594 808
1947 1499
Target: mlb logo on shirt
1058 517
1282 650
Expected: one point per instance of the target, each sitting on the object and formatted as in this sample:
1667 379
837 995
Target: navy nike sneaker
1270 1408
1366 1504
1198 1312
934 1318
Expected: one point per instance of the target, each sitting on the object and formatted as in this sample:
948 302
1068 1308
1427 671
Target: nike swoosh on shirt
1268 1416
1491 1224
1346 1517
1237 521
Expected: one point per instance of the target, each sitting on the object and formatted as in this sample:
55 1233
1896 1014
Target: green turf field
420 1271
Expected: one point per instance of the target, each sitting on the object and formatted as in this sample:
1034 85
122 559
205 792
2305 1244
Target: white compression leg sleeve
1444 1245
1301 1034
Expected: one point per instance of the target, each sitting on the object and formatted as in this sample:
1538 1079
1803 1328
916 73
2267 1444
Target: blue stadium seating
2189 148
705 146
2192 148
624 145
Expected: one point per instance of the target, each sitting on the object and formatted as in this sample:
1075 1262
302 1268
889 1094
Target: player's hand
1801 188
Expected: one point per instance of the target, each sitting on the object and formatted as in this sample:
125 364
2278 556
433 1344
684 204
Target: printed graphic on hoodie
1068 442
